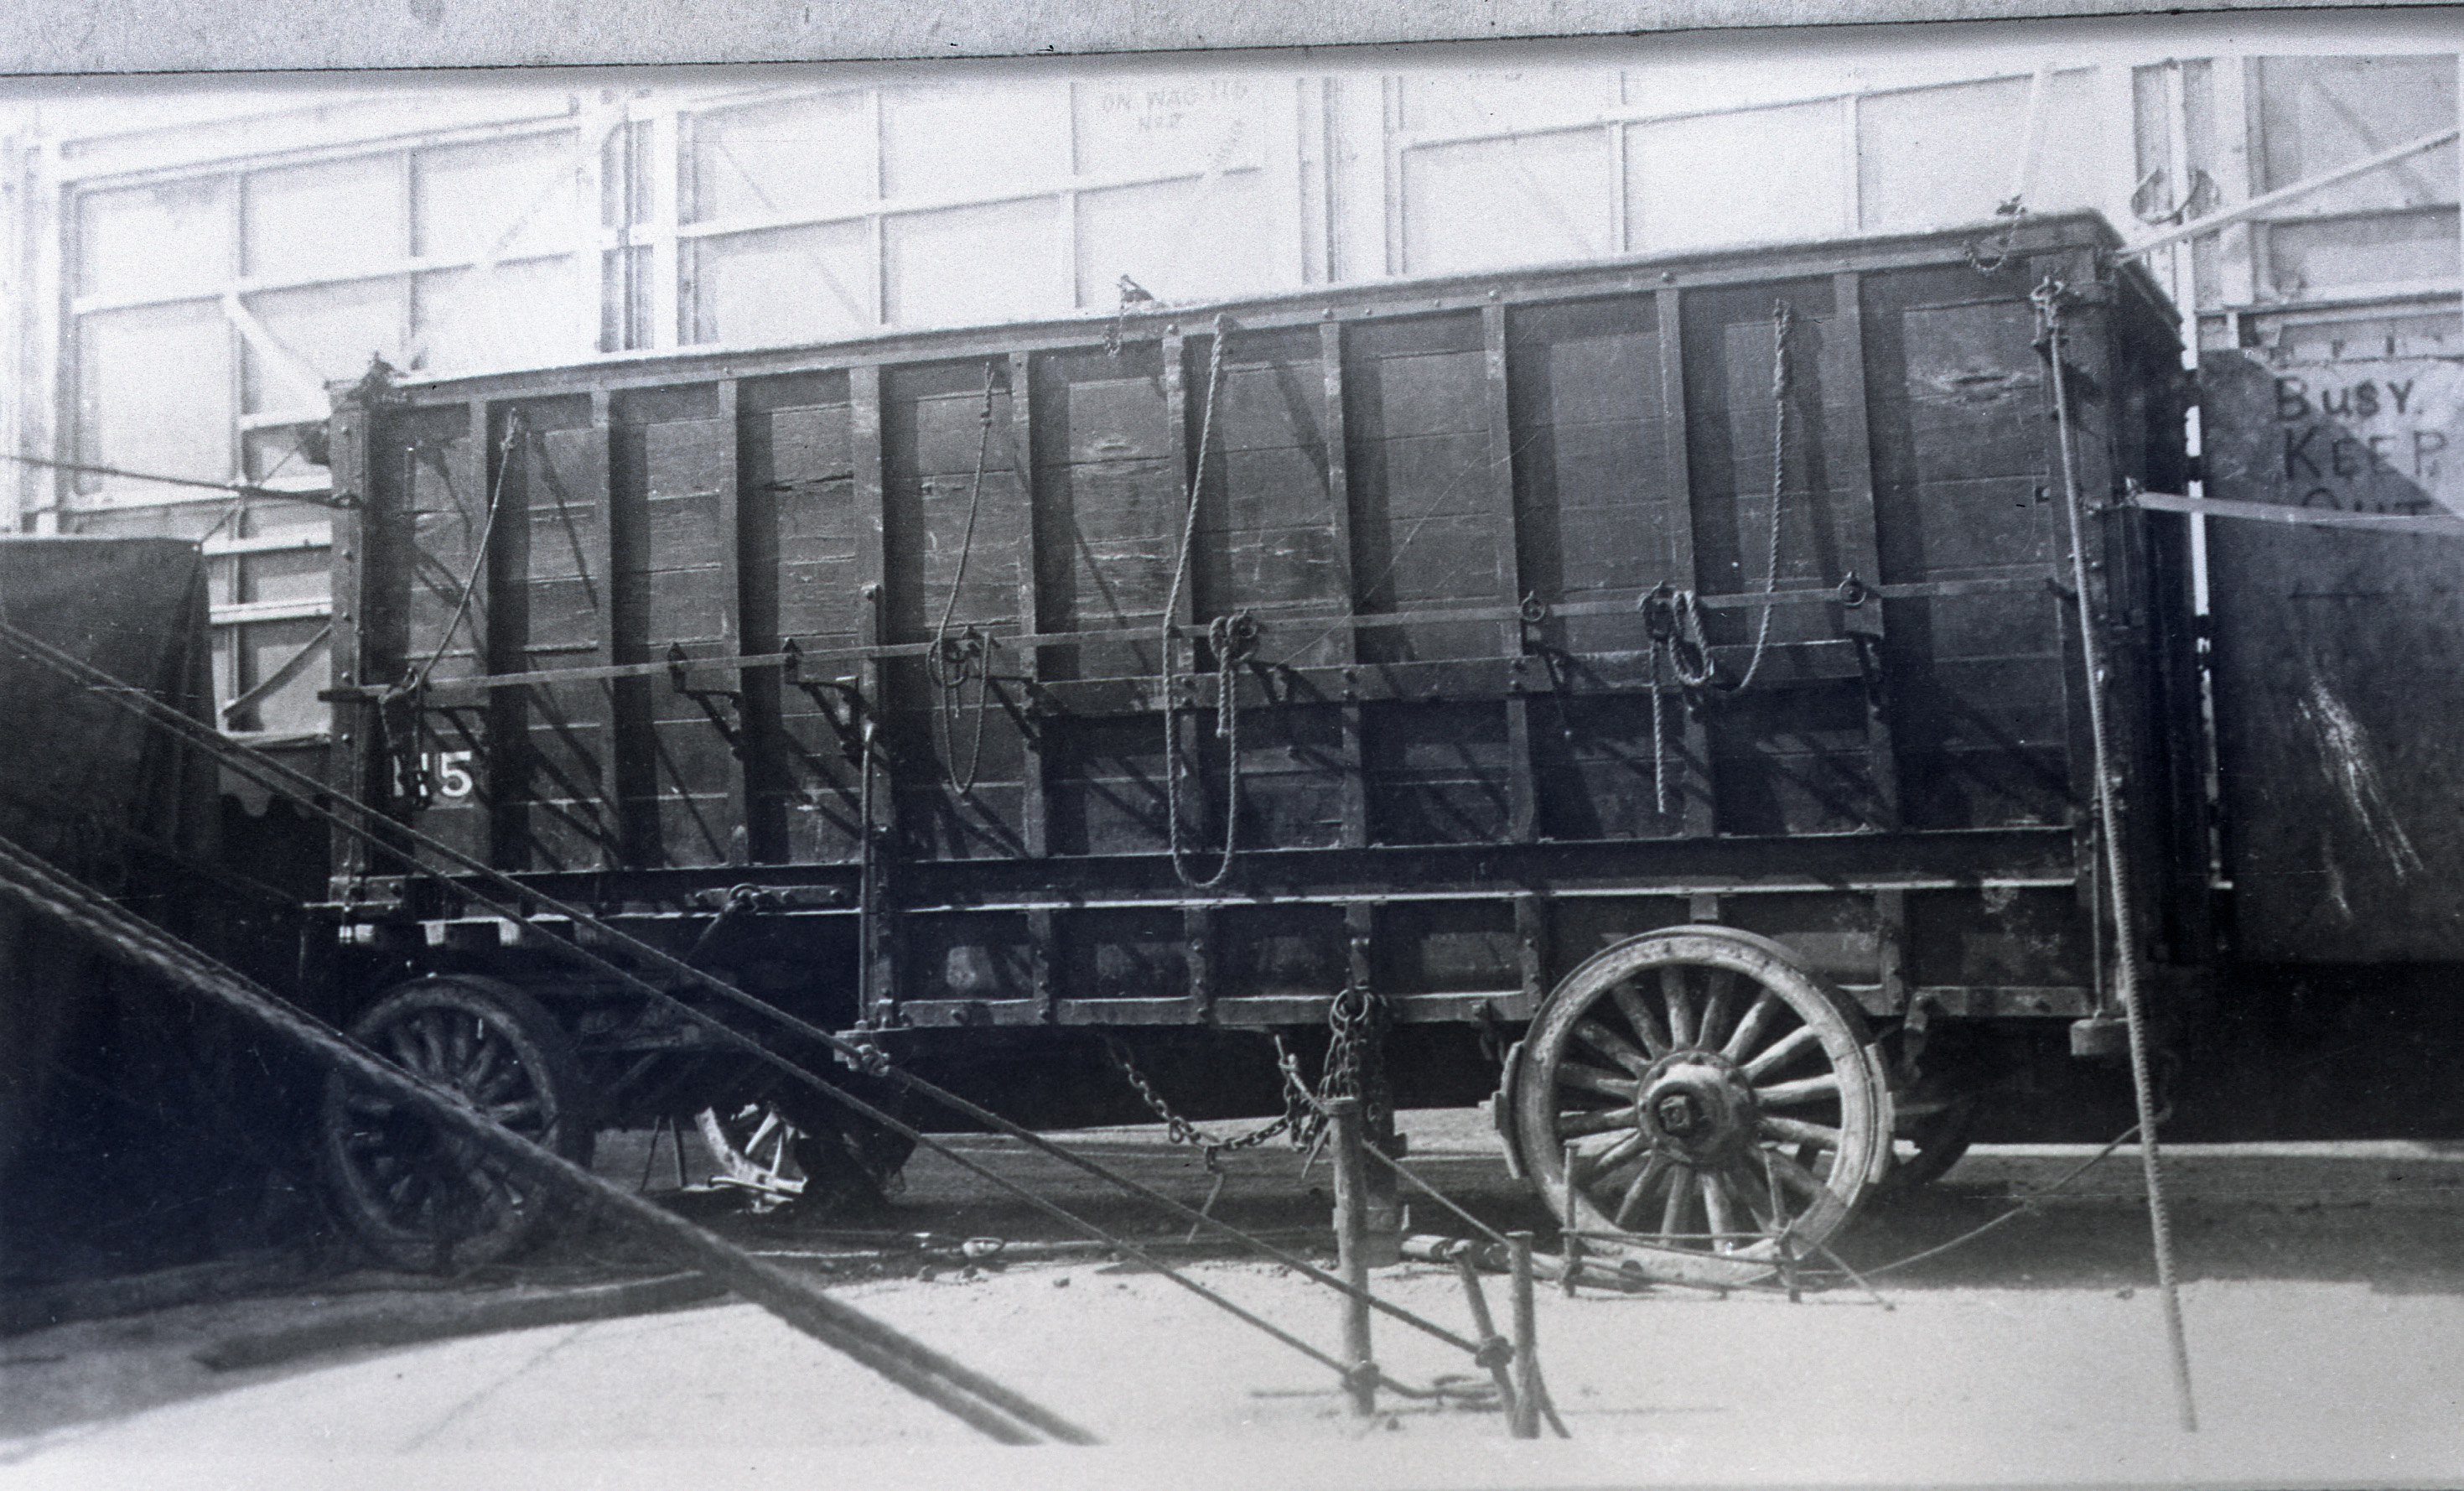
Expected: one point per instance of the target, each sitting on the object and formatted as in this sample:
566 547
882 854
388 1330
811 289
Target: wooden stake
1527 1339
1352 1242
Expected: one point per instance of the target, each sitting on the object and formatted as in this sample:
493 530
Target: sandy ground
2325 1316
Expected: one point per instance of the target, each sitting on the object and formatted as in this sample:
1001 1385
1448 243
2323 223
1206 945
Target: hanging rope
1232 637
1783 380
1673 618
418 677
957 659
2048 299
1674 624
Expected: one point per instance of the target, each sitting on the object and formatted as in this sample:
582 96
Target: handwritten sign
1136 126
2378 435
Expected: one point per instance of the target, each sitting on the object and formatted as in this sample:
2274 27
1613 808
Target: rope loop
1233 640
1783 387
956 660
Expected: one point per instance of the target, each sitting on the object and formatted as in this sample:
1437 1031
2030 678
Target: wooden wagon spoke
1719 997
1645 1180
1681 1004
1805 1089
1609 1043
1627 1146
1798 1131
1672 1216
1715 1209
494 1077
1794 1176
1784 1049
1574 1074
1750 1026
431 1046
403 1042
1574 1123
1749 1187
1646 1024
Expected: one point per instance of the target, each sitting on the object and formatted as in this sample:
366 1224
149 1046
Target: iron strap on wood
2444 525
1850 591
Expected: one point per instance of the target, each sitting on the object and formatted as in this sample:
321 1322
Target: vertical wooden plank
623 845
1532 942
506 711
1521 791
353 442
1359 935
1033 805
1041 952
1850 426
878 980
1338 485
1197 934
1891 945
1697 814
2116 581
731 588
1175 687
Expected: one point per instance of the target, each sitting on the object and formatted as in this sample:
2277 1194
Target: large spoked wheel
1718 1100
755 1148
422 1199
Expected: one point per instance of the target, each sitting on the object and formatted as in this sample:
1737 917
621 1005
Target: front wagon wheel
1718 1100
418 1198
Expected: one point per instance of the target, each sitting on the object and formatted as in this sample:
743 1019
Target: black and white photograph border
1454 745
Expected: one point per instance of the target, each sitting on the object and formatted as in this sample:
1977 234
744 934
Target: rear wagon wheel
421 1199
1717 1099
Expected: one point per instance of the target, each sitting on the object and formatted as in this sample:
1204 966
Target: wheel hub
1697 1106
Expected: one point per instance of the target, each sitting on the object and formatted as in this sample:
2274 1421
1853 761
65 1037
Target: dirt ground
2326 1303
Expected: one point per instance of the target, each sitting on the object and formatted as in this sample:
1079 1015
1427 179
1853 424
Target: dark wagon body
626 629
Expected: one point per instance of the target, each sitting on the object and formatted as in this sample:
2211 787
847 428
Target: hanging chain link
1295 1117
1355 1058
1355 1067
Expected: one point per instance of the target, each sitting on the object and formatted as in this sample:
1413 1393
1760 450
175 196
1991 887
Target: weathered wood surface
1440 510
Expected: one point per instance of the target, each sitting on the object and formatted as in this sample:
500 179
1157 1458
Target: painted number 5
453 773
